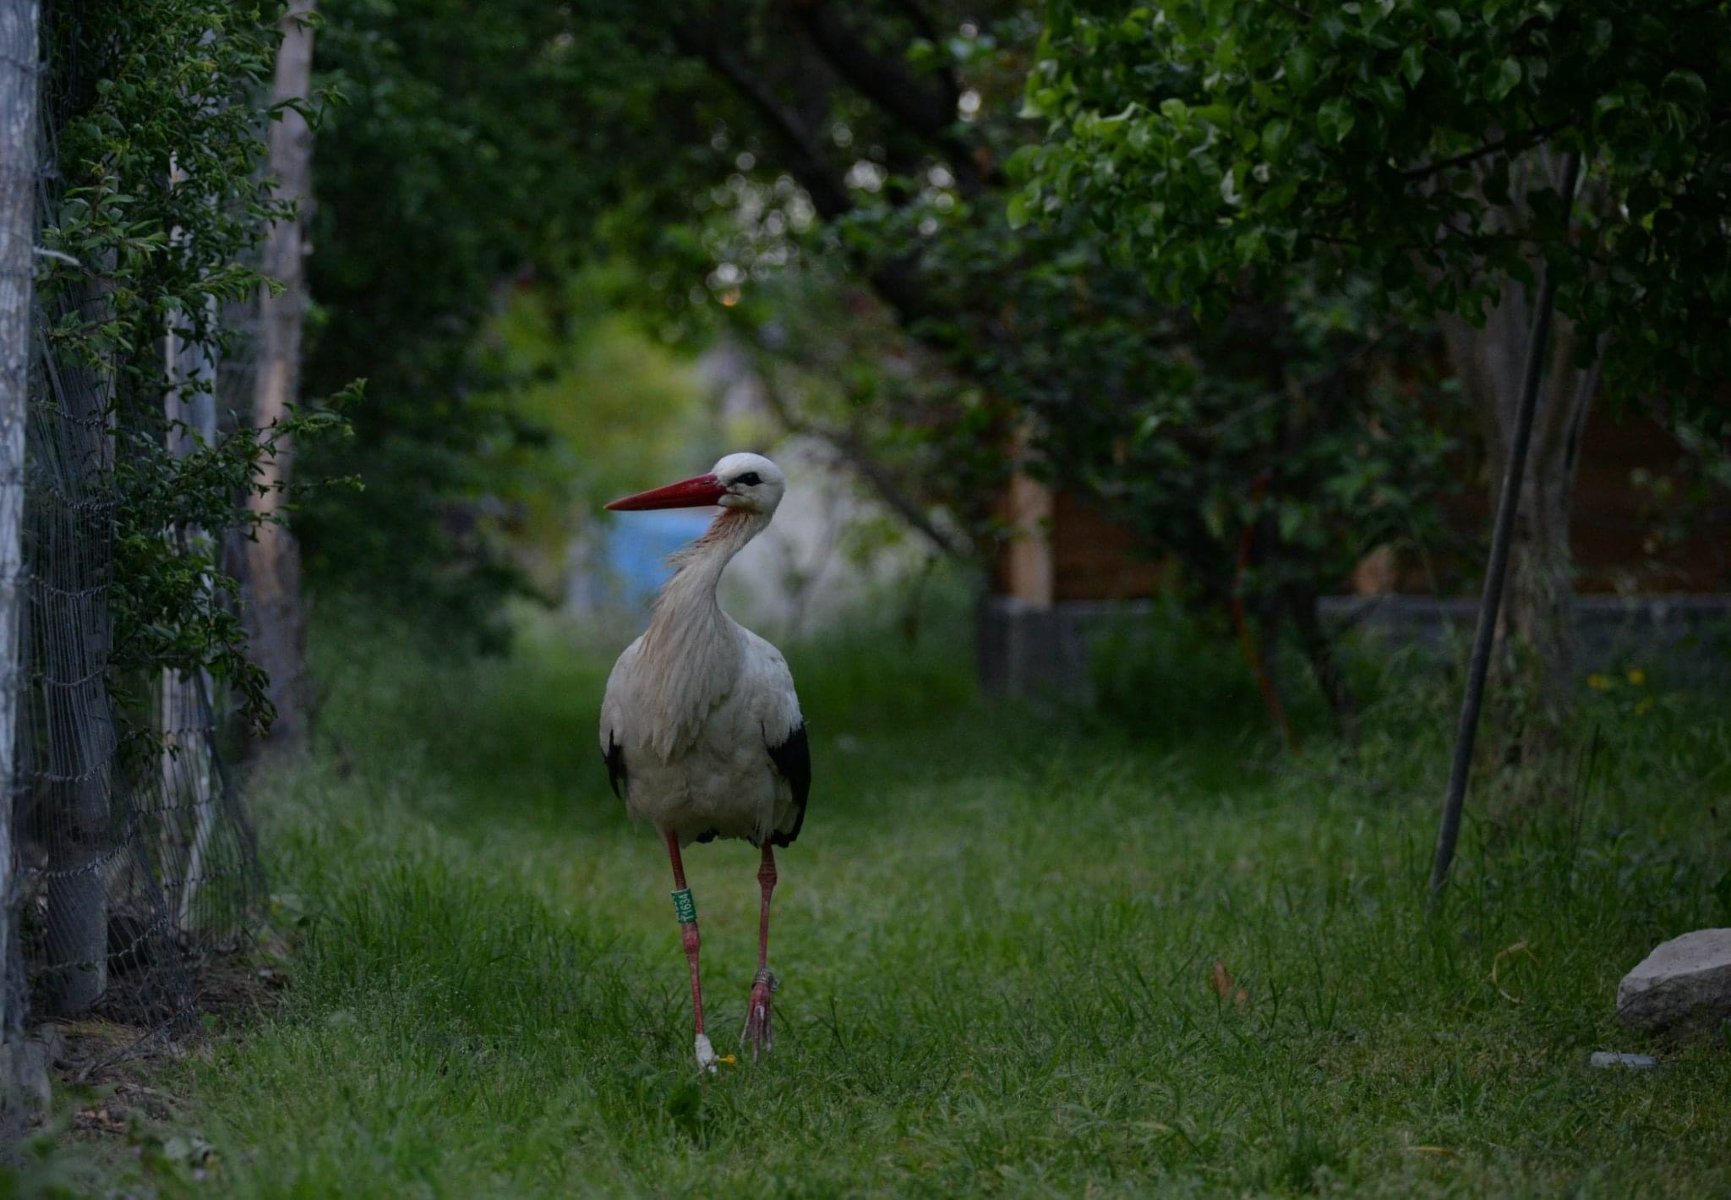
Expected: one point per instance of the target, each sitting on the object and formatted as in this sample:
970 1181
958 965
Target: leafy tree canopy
152 215
470 149
1397 140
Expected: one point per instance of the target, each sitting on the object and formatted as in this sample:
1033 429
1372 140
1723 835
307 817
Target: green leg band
684 907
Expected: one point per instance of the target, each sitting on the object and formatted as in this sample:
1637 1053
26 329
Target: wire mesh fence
136 864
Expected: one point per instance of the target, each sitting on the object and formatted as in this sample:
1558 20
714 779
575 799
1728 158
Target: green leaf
1412 63
1016 211
1104 129
1334 120
1598 40
1504 79
1018 165
1685 82
1390 97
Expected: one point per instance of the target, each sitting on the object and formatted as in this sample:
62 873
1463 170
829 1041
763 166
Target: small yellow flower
1646 706
1637 676
1599 683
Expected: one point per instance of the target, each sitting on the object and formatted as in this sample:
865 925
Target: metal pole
1497 568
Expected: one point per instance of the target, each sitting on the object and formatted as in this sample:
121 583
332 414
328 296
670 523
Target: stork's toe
758 1035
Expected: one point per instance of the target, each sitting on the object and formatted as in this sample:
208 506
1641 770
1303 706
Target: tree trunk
275 616
1536 629
1300 601
18 56
184 765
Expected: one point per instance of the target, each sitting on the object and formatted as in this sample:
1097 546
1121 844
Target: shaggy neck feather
692 647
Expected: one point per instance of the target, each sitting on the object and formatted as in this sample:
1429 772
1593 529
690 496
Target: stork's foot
705 1056
757 1036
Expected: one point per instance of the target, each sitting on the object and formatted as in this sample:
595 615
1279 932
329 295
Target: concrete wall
1043 652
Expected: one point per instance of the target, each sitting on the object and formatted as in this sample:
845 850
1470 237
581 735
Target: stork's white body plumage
705 771
700 725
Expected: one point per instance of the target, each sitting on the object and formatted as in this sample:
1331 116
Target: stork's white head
753 483
749 482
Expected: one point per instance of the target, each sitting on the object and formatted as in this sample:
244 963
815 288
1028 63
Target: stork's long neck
691 647
688 599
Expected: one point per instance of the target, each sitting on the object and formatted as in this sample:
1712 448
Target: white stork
700 727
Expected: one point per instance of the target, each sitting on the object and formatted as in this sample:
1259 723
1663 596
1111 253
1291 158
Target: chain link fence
134 863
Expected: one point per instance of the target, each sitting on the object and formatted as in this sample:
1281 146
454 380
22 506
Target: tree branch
896 280
851 447
1514 143
888 84
880 78
807 160
927 28
920 19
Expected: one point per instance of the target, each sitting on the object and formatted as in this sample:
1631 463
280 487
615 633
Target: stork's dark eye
749 479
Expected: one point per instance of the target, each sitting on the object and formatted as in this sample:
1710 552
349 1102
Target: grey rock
1682 988
1611 1058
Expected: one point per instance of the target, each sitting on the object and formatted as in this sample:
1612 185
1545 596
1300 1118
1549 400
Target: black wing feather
617 777
793 759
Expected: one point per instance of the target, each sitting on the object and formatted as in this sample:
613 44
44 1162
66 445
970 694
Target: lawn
1135 951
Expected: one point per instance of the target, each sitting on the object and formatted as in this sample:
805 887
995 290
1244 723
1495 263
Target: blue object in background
638 545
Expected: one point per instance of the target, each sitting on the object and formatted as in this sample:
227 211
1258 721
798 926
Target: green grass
997 938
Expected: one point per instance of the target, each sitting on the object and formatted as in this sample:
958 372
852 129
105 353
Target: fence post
18 57
275 622
184 761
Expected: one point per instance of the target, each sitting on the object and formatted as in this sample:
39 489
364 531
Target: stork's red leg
757 1031
686 910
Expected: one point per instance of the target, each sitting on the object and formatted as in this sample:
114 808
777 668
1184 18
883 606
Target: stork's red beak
688 493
